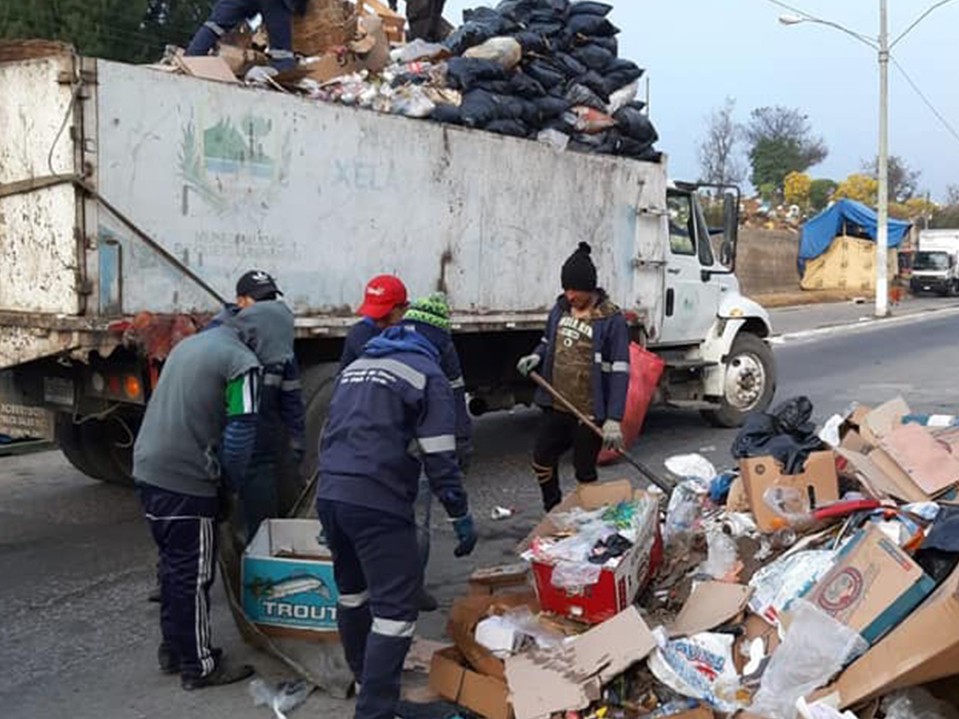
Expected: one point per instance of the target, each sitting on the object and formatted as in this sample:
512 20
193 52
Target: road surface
77 562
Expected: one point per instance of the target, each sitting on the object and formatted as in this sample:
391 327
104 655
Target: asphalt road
76 562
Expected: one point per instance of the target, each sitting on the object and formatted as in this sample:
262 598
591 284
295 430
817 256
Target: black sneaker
426 602
223 674
170 663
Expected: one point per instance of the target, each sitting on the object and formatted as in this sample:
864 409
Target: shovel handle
663 483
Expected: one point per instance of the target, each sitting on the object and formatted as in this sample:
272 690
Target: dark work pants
557 433
426 19
378 575
184 529
227 14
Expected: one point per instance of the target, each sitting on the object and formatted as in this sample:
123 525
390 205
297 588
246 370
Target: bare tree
720 158
903 180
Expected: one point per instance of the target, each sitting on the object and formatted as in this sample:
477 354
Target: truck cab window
682 237
706 258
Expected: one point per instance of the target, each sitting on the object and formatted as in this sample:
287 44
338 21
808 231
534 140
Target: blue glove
465 530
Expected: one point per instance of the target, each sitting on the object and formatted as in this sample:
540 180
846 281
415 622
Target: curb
864 325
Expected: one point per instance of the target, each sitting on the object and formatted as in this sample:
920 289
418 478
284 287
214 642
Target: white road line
863 325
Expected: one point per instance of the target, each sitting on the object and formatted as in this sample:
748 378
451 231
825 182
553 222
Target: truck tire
318 382
750 381
68 439
100 448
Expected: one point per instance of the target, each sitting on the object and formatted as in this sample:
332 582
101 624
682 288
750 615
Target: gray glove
260 74
527 364
612 435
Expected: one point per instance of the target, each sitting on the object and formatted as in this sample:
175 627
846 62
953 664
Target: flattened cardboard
819 479
923 648
927 461
879 422
453 680
572 677
495 580
711 604
370 52
880 475
737 501
467 612
873 586
208 67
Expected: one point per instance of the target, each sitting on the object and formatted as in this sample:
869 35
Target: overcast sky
697 52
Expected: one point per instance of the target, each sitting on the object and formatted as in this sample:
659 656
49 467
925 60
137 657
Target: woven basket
13 50
325 24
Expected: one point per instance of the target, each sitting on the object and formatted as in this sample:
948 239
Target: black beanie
579 272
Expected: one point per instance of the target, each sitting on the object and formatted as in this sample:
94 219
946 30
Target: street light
882 235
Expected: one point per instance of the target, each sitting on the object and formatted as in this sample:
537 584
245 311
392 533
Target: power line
939 116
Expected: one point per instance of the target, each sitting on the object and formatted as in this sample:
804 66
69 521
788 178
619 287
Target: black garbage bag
514 128
593 56
595 82
480 108
938 554
545 73
786 434
591 25
547 29
449 114
607 43
550 107
532 42
546 13
569 64
619 73
635 124
590 8
467 35
463 73
498 23
581 95
560 7
628 147
523 85
497 87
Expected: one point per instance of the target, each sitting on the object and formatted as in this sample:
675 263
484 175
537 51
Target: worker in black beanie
584 354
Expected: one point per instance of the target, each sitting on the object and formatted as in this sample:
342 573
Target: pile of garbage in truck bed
538 69
817 579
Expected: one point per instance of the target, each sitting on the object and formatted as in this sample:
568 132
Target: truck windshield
930 261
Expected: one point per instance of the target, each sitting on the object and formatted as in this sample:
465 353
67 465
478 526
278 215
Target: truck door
692 299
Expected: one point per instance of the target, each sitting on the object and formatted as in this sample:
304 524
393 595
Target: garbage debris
498 513
522 69
284 697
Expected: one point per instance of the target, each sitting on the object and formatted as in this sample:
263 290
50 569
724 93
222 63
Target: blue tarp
819 232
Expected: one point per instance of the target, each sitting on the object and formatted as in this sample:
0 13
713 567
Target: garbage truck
132 199
934 265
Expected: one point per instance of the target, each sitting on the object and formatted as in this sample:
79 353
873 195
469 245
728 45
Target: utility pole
882 236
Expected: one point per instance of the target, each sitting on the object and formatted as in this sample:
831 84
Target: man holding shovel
584 354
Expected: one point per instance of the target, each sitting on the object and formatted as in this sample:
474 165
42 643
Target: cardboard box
873 586
928 462
618 586
923 648
452 679
496 580
467 612
287 580
371 51
818 484
572 677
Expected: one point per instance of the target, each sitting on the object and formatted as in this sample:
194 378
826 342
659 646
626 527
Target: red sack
645 369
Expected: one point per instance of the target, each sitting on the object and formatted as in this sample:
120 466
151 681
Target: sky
698 52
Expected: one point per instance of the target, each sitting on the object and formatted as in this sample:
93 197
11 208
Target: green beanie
432 310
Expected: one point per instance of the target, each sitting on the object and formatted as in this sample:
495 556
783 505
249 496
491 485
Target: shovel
665 484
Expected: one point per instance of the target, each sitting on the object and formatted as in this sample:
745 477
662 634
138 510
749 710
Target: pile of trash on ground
818 579
540 69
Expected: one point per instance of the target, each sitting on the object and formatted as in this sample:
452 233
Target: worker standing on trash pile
391 417
277 16
585 355
198 433
425 18
281 415
384 305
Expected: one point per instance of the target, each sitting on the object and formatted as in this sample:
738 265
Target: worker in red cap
384 303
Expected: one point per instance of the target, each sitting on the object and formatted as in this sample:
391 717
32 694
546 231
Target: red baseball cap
383 293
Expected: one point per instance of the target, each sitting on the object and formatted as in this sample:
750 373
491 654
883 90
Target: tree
902 180
719 153
126 30
952 195
781 141
820 193
860 188
797 186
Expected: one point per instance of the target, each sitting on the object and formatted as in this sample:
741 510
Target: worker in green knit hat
430 316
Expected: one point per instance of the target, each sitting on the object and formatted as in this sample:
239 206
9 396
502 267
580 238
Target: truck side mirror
730 230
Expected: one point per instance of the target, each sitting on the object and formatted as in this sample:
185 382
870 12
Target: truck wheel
109 447
318 382
750 381
68 439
